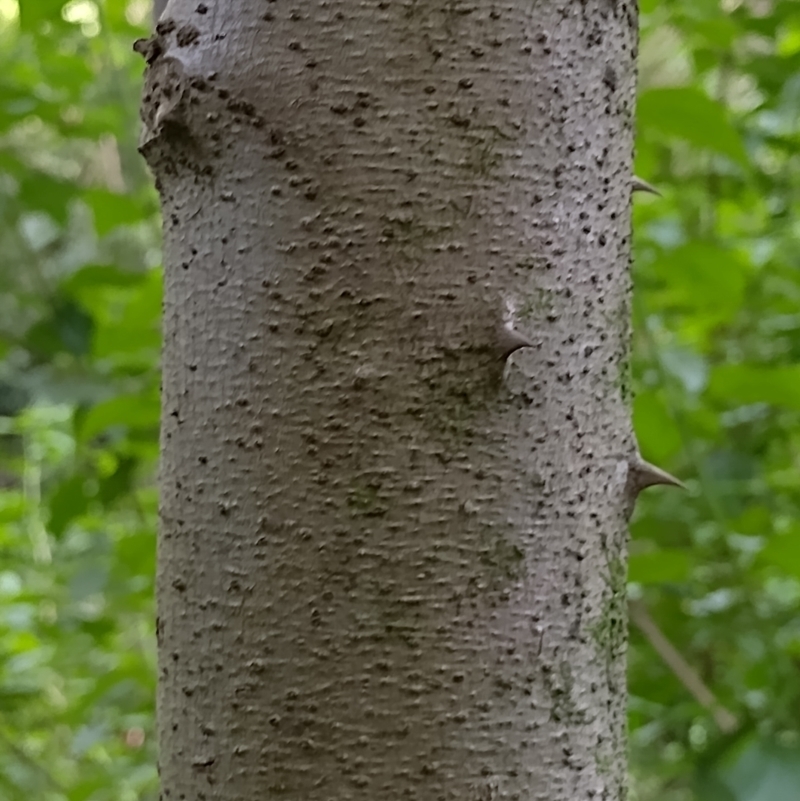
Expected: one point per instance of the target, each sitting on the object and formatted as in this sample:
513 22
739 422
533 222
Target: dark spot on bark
202 8
187 35
610 78
165 26
242 107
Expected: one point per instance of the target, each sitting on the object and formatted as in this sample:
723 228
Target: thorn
639 185
509 340
149 49
642 474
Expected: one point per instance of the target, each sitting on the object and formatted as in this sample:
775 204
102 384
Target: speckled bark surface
390 566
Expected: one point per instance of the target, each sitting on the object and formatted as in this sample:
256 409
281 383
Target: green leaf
125 411
688 114
750 383
710 787
13 506
783 551
719 32
658 437
138 329
754 521
93 276
68 328
43 192
119 483
12 698
703 276
34 13
111 209
67 502
659 567
765 771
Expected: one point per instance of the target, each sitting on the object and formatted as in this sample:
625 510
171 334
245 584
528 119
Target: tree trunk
392 555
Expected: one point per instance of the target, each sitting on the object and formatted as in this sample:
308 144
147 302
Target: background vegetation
715 572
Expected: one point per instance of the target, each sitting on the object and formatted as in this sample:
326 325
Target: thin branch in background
684 672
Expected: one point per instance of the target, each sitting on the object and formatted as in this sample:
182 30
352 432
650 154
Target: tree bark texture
158 10
392 561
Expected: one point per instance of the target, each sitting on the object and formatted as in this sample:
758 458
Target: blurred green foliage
79 342
717 346
715 572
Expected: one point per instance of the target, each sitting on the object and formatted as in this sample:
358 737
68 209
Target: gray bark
392 563
158 10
